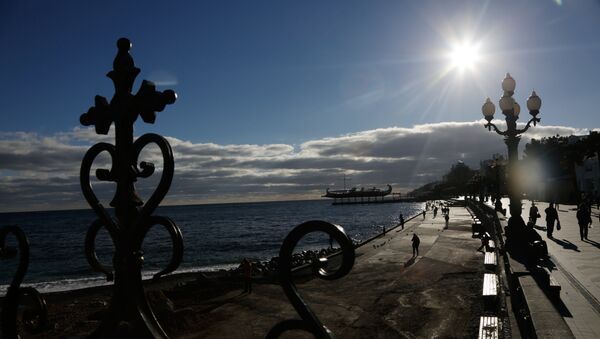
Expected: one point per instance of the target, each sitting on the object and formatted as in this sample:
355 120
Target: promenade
577 268
388 293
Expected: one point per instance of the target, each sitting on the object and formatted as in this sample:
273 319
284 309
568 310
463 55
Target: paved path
577 268
388 293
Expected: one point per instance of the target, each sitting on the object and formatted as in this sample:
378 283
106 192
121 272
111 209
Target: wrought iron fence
129 313
35 316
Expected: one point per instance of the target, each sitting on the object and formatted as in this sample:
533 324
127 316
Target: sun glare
464 56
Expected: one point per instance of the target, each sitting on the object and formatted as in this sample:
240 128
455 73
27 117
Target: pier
394 198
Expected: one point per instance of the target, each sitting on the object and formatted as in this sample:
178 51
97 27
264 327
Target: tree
559 156
453 183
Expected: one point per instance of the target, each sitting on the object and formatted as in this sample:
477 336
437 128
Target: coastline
78 311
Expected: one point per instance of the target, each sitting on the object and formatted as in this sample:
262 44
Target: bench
490 290
490 285
554 288
490 260
551 283
488 328
476 227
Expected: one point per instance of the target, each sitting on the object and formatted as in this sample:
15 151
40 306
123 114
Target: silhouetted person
247 272
533 213
584 219
423 215
485 239
435 209
415 244
447 217
401 221
551 218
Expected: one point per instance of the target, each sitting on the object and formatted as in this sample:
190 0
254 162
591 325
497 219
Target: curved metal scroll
90 250
34 318
147 169
144 221
515 131
310 322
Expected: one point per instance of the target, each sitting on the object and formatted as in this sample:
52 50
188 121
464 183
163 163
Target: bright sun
464 56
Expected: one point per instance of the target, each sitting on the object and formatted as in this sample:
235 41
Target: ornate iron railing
309 322
35 316
129 314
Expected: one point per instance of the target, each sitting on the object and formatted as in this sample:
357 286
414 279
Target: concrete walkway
388 294
577 268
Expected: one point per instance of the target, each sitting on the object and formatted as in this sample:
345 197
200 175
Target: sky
279 99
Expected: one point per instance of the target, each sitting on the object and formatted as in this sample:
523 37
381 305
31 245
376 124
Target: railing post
129 313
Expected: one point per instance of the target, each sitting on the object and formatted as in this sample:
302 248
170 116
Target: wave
87 282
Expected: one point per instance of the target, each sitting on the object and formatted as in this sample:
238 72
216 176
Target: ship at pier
358 192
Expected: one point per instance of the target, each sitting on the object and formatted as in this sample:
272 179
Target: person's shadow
566 244
592 242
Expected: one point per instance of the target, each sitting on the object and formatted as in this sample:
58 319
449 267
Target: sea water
215 237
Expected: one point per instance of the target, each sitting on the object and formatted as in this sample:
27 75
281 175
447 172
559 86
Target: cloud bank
40 172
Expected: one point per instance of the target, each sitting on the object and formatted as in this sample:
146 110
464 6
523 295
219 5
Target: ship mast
345 181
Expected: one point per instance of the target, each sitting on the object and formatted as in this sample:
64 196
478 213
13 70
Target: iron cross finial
146 102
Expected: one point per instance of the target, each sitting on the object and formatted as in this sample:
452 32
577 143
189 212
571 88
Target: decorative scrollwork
148 168
512 132
90 250
310 322
129 314
35 317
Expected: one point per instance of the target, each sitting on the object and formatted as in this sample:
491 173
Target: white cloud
43 171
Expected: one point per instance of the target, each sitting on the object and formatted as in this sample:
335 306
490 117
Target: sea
216 237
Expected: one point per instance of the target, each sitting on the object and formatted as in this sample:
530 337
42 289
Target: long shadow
541 228
537 274
410 262
567 245
561 307
592 242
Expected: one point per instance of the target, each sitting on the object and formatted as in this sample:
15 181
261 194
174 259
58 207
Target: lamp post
497 163
512 135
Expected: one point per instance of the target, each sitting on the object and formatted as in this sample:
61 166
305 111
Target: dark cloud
42 172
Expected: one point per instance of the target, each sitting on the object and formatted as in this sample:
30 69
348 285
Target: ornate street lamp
511 109
497 163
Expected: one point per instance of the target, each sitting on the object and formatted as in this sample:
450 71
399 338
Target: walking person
247 272
551 218
584 219
423 215
485 239
533 213
447 217
401 221
415 244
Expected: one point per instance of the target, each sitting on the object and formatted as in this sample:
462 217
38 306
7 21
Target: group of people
249 268
584 218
